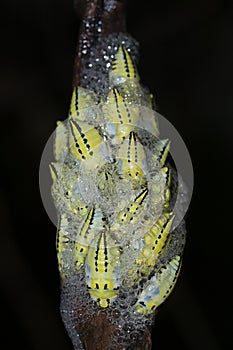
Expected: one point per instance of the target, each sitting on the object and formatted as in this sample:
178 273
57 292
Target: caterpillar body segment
155 243
84 236
81 101
161 187
85 140
156 239
159 287
161 193
131 212
123 67
101 269
120 117
162 150
120 111
132 157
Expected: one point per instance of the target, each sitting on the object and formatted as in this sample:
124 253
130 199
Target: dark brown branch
97 334
97 20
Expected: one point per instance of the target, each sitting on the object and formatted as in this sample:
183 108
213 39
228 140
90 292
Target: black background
186 51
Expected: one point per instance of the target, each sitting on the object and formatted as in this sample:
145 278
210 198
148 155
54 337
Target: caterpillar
101 270
159 287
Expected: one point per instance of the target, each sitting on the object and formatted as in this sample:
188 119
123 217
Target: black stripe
76 141
140 203
126 62
105 253
135 147
146 190
129 146
72 131
79 129
166 186
163 150
165 225
91 222
84 139
97 253
117 106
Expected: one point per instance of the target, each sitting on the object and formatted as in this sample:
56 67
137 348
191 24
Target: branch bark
92 13
99 18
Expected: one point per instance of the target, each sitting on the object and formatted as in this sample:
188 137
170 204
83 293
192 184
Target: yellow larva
101 270
84 140
123 66
159 287
83 237
156 239
120 117
81 101
132 157
131 212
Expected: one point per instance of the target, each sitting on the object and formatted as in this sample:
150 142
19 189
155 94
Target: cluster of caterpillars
102 136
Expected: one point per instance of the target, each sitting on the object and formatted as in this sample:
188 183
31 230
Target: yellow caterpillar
159 286
120 117
101 270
